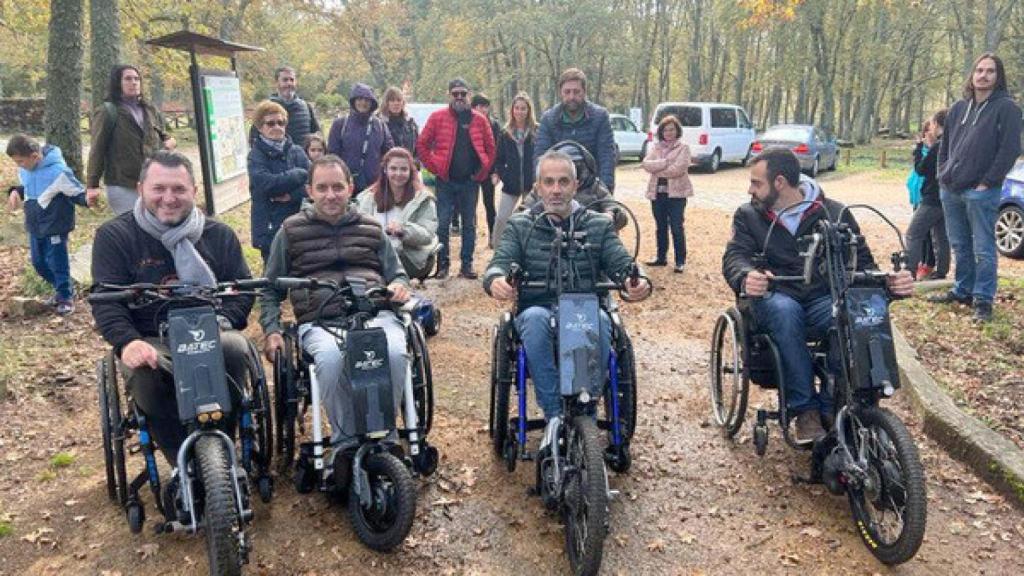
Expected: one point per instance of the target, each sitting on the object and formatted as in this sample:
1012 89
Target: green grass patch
46 476
62 460
32 285
5 528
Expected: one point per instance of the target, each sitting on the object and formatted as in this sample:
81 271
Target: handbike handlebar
175 291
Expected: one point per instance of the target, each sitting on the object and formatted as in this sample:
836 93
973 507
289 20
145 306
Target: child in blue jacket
49 190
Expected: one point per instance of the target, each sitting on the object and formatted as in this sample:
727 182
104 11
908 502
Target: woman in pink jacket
668 189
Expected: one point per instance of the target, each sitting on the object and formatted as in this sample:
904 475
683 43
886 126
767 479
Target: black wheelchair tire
284 374
585 547
422 378
384 534
220 516
260 410
914 495
105 429
729 413
627 389
111 418
500 390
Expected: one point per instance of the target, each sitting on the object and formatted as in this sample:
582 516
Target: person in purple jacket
360 138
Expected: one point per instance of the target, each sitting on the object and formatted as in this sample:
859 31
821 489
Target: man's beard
460 105
769 202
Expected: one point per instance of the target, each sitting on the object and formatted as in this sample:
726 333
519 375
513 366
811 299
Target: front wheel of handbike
220 514
386 522
586 498
891 508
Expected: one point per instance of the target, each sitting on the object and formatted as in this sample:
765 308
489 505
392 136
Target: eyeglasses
459 93
271 123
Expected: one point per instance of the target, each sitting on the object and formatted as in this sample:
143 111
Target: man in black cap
480 103
457 146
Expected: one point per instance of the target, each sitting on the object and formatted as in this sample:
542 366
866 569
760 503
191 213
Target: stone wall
22 115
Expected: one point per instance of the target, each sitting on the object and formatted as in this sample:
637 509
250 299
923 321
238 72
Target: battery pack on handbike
873 362
580 366
369 376
199 374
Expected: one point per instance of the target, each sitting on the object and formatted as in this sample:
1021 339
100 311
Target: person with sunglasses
278 169
457 146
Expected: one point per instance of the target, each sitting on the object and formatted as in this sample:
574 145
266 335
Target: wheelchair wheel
889 506
422 377
627 388
730 383
111 419
285 406
260 409
501 385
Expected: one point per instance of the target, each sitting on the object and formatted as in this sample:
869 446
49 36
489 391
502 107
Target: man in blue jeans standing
792 313
980 145
457 146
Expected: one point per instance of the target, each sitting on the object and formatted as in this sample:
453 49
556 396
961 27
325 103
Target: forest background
857 68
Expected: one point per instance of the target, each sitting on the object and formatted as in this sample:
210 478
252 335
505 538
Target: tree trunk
64 81
105 47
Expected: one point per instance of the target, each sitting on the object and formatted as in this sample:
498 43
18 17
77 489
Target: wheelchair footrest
537 424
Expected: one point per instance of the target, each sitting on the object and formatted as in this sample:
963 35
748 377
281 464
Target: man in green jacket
606 257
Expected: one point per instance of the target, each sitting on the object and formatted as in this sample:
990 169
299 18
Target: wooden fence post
883 159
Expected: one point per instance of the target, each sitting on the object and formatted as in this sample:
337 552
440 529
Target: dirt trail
693 503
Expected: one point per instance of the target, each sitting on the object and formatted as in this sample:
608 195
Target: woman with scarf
126 130
668 188
360 138
401 125
278 169
514 163
405 210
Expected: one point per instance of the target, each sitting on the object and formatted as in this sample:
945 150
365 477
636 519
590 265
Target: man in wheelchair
556 185
791 313
327 240
167 239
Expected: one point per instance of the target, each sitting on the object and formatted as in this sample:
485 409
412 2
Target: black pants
925 235
487 193
669 215
154 393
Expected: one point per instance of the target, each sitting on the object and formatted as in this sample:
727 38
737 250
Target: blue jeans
534 327
791 324
668 216
50 259
971 226
461 197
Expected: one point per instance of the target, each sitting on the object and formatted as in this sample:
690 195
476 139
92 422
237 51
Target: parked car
420 111
714 132
1010 224
812 147
629 140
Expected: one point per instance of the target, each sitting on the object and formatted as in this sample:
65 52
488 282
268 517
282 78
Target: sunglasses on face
272 123
459 94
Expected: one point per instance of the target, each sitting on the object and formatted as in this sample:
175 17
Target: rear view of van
715 132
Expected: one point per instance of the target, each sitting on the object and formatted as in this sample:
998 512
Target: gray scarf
180 241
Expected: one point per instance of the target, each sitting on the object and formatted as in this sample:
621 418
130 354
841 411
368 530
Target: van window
723 117
745 122
689 116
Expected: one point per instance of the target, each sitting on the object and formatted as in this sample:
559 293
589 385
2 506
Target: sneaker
51 301
808 427
65 307
678 269
923 270
468 274
656 263
950 298
442 272
982 312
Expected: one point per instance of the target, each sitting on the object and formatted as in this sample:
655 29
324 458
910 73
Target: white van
714 132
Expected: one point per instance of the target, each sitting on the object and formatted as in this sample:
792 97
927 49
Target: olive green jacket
119 148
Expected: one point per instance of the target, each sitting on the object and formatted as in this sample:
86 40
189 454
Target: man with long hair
980 145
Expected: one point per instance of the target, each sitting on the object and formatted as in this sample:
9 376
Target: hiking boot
442 272
468 274
658 262
982 312
66 307
808 427
950 298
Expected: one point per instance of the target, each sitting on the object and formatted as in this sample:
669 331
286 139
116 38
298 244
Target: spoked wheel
285 405
730 383
386 522
501 389
890 506
585 507
422 378
260 409
111 418
627 394
220 514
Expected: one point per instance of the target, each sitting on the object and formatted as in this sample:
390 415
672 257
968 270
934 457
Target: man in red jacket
457 146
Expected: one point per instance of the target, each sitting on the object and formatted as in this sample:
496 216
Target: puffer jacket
437 142
419 220
593 130
50 193
606 256
274 173
349 132
670 161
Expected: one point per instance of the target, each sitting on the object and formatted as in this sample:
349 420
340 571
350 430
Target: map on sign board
222 96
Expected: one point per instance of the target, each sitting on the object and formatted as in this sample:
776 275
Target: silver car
812 147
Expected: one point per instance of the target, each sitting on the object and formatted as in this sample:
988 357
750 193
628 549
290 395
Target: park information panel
226 140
